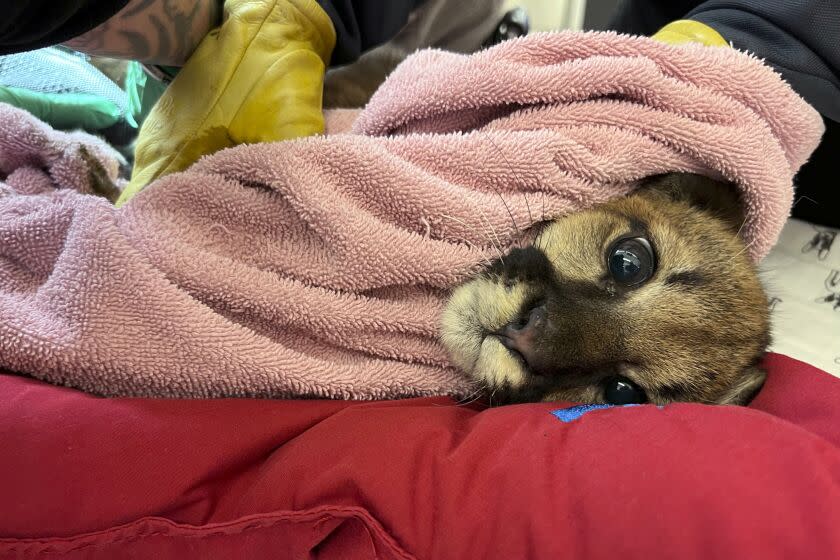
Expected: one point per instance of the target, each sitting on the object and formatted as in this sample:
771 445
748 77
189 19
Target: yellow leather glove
257 78
687 31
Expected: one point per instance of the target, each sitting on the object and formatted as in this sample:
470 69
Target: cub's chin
647 298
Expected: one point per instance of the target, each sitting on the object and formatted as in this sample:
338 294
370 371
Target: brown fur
694 331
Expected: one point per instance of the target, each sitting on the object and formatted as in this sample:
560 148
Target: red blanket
82 477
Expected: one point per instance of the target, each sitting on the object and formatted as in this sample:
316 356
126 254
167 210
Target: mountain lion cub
648 298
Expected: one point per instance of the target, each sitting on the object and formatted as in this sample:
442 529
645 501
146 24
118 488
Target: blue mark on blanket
573 413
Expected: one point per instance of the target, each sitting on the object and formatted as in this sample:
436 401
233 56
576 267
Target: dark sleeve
361 25
646 17
33 24
800 39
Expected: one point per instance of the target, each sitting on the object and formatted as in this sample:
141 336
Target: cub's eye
631 261
620 390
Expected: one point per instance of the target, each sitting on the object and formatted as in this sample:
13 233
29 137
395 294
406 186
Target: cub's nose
520 336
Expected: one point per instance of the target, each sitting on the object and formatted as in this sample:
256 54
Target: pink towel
319 267
35 159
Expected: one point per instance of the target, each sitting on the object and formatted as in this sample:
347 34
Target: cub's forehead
577 244
591 230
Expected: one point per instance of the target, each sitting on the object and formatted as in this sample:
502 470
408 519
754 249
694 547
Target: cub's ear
715 197
745 388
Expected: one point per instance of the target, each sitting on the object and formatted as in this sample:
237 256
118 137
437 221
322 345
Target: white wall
546 15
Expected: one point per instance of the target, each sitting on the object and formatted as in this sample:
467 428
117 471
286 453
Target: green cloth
65 110
88 111
143 91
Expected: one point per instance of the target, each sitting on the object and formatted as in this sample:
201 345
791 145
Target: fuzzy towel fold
319 267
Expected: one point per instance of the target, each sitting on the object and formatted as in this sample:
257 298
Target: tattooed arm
161 32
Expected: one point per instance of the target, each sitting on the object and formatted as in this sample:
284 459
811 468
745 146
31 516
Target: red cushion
82 477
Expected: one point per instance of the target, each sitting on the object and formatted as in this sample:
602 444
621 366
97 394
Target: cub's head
648 298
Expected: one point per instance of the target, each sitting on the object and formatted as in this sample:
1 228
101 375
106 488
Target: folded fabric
88 478
319 267
35 159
